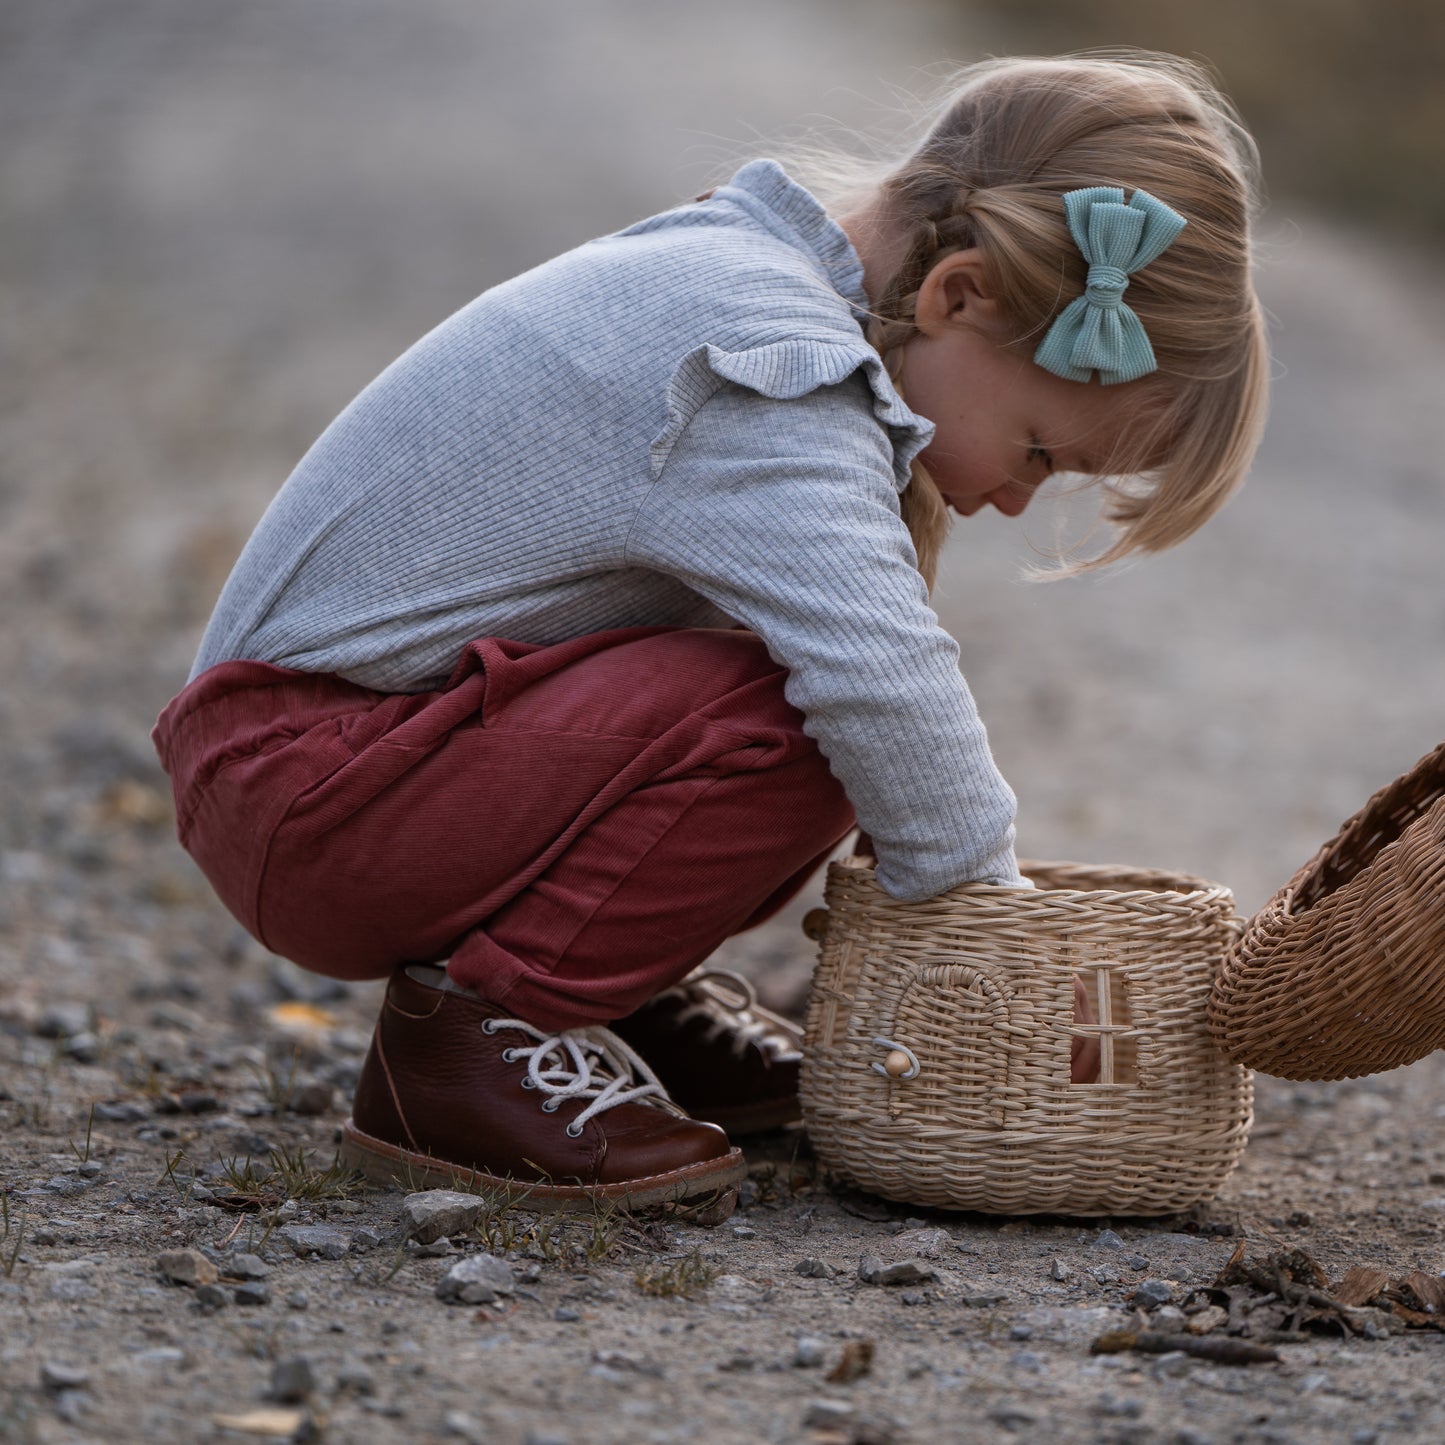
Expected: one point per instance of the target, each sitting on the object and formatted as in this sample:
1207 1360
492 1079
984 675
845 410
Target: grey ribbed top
678 424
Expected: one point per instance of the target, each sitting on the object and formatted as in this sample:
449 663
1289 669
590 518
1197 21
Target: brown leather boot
456 1094
719 1052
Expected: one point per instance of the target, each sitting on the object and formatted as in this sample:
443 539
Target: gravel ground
218 222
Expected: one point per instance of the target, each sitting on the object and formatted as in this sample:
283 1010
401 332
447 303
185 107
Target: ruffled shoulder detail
785 371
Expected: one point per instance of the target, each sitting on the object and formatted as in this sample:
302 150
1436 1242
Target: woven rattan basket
1342 972
936 1065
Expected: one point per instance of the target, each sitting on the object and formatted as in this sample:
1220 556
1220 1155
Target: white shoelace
711 989
589 1063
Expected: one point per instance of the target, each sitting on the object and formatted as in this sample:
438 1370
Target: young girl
594 623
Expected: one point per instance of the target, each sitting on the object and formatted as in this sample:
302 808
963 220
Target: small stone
56 1376
923 1243
297 1299
1170 1319
355 1377
432 1249
565 1316
1107 1239
253 1292
1021 1332
311 1099
478 1279
871 1270
1152 1293
464 1427
84 1048
439 1213
63 1020
318 1239
120 1111
1012 1417
744 1231
1171 1366
915 1296
808 1352
246 1266
982 1299
1188 1435
1119 1407
365 1240
1060 1271
187 1267
1137 1261
212 1296
45 1235
827 1414
292 1379
814 1268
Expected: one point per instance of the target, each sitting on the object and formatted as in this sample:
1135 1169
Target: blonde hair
1011 138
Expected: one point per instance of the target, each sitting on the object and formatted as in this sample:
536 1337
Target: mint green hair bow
1097 331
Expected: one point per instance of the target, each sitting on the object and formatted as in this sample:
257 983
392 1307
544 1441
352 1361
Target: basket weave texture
976 987
1342 972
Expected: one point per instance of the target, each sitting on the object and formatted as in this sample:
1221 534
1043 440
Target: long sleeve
784 513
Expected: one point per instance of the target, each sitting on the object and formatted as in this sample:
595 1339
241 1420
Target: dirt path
218 222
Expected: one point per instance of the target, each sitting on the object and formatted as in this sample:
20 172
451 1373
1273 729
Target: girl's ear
955 290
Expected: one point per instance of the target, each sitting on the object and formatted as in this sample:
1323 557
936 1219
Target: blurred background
218 221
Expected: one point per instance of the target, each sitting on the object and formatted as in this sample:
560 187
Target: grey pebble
84 1048
872 1270
813 1268
1021 1332
1060 1271
809 1352
120 1111
292 1379
827 1414
464 1427
1152 1293
365 1240
253 1292
297 1299
245 1266
213 1296
319 1239
1172 1366
1107 1239
186 1267
55 1376
1120 1407
565 1316
63 1020
356 1377
744 1231
915 1296
438 1213
1012 1417
1137 1261
476 1280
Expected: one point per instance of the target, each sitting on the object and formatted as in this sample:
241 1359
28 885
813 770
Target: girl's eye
1039 454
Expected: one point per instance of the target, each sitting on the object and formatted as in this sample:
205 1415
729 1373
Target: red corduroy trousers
573 827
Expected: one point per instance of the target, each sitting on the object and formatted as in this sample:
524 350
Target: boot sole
397 1168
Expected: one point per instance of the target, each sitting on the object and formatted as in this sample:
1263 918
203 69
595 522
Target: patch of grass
10 1251
676 1278
84 1155
182 1186
288 1174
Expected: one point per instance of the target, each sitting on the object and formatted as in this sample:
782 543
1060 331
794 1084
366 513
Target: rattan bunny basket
936 1065
1342 972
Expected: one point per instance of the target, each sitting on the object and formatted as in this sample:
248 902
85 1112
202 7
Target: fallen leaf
1360 1285
855 1362
278 1424
300 1017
